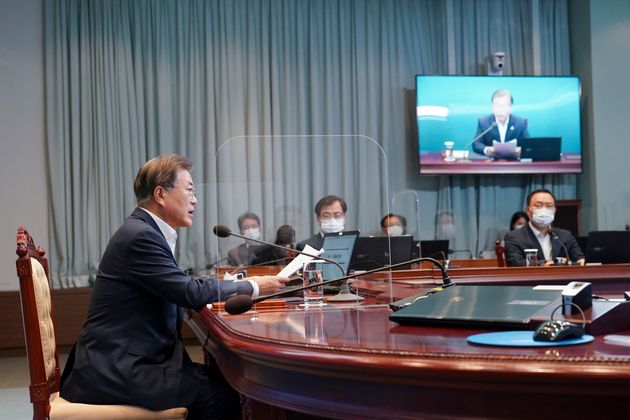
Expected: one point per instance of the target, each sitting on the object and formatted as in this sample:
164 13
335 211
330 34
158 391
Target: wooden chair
41 348
500 251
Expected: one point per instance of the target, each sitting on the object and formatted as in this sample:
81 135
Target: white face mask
543 217
518 226
395 230
332 225
252 233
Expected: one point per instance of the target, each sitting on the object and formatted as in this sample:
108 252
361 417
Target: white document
504 150
299 261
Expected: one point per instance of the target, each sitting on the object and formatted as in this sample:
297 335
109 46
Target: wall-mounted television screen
498 124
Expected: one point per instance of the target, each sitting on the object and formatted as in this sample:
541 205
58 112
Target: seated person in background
330 215
393 225
130 349
519 219
249 226
500 126
285 237
539 234
445 225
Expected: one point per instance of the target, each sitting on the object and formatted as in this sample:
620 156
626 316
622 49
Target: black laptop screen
338 247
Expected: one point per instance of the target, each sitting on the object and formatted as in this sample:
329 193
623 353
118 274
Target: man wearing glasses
330 214
554 245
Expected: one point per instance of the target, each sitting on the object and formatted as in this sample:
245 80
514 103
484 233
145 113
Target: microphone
243 303
480 135
555 236
223 231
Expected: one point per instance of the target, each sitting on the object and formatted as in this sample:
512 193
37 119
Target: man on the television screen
497 133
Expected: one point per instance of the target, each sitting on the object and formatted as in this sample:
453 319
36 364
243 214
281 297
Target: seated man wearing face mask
551 242
393 225
330 214
249 226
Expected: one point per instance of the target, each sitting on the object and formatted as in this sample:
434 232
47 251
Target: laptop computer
479 306
540 149
338 247
608 247
437 249
378 251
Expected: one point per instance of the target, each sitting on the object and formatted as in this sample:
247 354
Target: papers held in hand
505 150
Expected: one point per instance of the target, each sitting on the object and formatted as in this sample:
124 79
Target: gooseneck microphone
242 303
223 231
480 135
555 236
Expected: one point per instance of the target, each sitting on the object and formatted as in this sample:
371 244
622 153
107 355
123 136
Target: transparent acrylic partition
280 179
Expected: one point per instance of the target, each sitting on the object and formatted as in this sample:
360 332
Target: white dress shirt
544 239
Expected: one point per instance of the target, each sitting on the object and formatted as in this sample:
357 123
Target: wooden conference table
350 361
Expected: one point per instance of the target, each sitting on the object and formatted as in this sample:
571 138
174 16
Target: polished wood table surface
350 361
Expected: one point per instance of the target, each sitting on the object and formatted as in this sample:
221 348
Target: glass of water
313 274
531 257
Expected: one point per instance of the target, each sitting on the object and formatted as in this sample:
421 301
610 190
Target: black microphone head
221 231
238 304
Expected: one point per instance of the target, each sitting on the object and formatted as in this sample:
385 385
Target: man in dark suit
244 254
330 215
130 349
551 242
500 126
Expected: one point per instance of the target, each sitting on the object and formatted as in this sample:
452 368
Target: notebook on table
437 249
540 149
478 306
338 247
378 251
608 247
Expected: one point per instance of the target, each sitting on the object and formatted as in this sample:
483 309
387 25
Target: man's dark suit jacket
517 129
316 241
130 350
518 240
242 255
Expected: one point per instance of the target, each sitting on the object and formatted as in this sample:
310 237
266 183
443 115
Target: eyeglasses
191 191
336 215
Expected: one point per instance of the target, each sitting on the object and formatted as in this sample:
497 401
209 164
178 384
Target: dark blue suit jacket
518 240
130 350
316 241
517 129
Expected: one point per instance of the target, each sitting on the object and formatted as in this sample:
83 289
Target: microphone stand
344 294
480 135
555 236
242 303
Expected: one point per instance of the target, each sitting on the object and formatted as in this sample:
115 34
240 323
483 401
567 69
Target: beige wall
23 185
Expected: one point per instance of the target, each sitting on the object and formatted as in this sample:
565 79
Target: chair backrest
41 347
39 330
500 251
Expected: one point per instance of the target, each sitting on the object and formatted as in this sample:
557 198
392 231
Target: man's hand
581 261
269 285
